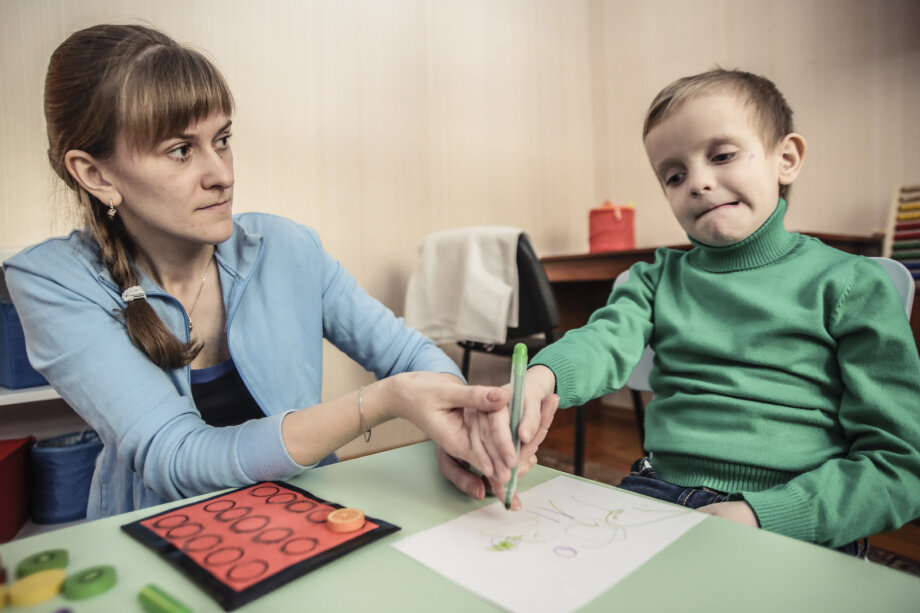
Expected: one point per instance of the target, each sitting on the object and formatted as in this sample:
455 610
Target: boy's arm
876 485
597 358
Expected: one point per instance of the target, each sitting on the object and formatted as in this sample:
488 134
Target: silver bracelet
364 428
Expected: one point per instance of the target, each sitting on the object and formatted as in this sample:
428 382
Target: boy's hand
738 511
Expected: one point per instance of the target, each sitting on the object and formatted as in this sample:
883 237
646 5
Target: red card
243 544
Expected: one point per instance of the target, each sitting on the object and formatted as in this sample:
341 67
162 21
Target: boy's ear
792 156
91 175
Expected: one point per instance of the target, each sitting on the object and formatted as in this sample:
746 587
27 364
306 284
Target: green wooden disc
44 560
89 582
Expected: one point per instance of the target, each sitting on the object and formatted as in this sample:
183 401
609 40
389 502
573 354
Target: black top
221 396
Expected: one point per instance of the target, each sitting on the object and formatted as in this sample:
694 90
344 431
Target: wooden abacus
902 235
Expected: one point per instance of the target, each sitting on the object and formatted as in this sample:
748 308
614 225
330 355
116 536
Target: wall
379 122
850 69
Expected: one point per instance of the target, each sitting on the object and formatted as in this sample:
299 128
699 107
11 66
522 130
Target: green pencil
518 371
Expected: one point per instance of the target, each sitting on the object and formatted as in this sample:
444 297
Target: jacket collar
237 256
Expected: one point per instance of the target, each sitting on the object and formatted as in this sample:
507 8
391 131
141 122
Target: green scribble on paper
506 544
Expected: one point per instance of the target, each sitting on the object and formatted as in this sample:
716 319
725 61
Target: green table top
715 566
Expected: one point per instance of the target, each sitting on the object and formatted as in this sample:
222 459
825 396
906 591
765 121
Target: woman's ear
92 176
792 156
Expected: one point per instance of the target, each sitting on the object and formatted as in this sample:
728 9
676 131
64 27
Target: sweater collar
767 244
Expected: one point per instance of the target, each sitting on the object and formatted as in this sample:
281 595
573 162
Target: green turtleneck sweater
785 373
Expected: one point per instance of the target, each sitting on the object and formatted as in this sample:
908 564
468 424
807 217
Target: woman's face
178 195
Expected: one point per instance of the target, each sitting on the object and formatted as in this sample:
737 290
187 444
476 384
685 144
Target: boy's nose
701 183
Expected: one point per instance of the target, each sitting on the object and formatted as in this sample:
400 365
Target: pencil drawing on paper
579 534
573 524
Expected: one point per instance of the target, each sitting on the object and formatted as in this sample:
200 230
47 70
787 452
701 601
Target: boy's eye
674 179
720 158
224 141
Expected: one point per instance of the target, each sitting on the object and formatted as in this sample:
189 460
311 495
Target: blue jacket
282 293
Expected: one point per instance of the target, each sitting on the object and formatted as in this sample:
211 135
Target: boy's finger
536 412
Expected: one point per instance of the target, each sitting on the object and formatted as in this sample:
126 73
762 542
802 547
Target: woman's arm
434 402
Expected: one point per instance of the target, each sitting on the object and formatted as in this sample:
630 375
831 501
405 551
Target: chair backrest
901 278
537 311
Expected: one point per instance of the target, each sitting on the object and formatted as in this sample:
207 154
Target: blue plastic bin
15 370
62 470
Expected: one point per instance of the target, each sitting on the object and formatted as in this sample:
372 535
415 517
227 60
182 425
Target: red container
612 228
15 485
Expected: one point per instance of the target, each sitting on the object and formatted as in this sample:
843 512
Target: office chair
538 315
638 380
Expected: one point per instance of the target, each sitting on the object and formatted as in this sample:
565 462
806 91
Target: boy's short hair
771 113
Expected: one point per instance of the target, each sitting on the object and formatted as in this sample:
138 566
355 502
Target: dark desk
582 282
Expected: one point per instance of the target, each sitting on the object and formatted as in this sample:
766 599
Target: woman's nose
219 170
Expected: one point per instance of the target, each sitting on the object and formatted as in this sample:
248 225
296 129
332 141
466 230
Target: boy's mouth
717 206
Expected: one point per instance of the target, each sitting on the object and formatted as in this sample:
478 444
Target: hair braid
133 81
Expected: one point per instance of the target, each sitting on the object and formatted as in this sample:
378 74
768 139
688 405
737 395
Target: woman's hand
490 433
436 403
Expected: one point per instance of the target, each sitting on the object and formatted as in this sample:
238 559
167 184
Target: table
713 564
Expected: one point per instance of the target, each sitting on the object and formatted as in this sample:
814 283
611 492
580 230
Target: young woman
191 339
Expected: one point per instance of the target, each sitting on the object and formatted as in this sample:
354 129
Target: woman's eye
224 142
181 152
723 157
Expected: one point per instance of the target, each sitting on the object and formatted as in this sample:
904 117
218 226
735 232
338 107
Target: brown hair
127 80
771 113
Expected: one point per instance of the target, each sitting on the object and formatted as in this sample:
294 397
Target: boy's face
720 181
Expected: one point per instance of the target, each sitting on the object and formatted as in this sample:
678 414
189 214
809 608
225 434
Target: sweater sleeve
598 358
875 486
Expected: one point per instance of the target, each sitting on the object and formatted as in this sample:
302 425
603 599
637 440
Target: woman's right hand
436 404
490 433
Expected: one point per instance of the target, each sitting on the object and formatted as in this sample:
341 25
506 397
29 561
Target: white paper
571 541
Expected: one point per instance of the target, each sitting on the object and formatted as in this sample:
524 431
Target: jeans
643 479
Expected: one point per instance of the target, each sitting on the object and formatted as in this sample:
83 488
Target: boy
786 377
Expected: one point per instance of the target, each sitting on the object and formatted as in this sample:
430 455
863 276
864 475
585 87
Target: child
786 377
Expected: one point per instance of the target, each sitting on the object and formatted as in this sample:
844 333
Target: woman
190 339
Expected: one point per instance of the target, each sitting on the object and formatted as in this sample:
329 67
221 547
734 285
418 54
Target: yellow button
37 587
